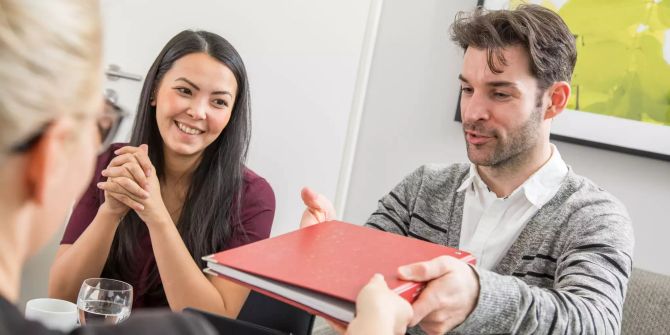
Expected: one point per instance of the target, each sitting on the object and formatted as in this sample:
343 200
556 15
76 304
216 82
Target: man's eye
499 95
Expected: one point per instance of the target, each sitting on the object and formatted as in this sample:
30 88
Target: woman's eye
184 90
220 103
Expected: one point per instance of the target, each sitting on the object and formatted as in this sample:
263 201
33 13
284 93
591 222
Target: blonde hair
50 64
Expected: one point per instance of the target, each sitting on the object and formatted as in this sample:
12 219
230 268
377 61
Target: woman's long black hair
211 209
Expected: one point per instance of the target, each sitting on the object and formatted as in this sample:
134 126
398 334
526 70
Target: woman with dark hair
178 191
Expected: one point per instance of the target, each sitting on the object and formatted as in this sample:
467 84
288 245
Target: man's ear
559 93
46 158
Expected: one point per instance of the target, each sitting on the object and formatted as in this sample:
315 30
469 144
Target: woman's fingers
128 149
123 185
140 154
132 187
135 160
143 160
124 199
118 192
123 159
128 170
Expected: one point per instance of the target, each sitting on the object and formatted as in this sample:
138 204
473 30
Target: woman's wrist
370 324
159 222
110 215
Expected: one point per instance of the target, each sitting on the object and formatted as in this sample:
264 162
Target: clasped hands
132 183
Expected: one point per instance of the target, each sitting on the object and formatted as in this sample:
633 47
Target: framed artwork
621 84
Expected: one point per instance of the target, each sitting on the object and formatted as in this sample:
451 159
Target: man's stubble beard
517 148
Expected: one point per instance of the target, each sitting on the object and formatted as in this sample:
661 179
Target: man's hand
319 208
449 297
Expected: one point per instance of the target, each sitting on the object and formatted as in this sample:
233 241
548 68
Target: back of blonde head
50 64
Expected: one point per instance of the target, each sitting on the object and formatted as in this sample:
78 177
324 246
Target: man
554 251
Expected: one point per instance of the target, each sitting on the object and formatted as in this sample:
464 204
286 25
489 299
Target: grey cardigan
565 274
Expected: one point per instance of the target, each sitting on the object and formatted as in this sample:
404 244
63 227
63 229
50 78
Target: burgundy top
257 213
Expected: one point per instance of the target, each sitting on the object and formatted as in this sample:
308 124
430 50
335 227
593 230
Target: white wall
410 102
408 121
302 58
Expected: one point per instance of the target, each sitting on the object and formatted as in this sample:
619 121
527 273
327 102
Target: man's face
501 113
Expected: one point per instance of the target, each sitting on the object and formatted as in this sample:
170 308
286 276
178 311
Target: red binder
322 268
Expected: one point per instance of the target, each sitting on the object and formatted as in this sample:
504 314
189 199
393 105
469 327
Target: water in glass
104 300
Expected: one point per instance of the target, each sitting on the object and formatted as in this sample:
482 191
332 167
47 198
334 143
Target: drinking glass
103 300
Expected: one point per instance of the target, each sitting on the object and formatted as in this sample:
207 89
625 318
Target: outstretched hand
319 208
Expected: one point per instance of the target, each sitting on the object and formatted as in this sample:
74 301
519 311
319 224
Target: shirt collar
539 188
472 174
544 183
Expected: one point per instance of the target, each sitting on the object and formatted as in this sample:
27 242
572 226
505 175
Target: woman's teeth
187 129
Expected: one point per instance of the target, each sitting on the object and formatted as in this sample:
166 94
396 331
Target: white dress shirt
491 224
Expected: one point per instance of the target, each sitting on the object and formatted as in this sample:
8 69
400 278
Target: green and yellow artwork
623 62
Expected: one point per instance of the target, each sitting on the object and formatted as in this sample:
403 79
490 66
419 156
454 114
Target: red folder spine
410 291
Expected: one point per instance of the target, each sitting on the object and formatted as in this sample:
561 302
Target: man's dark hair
540 31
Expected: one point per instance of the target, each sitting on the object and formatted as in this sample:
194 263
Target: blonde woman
50 114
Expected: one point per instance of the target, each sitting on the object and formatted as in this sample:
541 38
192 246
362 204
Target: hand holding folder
450 296
379 310
322 268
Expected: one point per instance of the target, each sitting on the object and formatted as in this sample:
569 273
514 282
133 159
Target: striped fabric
565 274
